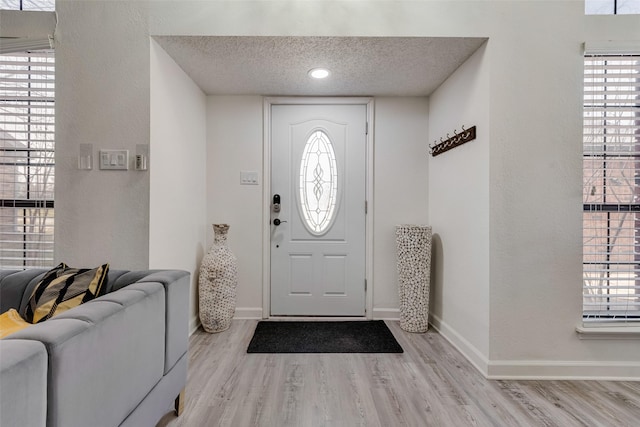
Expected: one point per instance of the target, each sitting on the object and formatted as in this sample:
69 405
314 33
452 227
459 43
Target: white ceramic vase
217 283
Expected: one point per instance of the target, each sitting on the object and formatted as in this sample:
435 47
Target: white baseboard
194 324
537 369
386 313
468 350
248 313
253 313
563 370
242 313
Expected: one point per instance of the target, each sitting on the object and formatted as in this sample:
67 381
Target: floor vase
217 283
413 244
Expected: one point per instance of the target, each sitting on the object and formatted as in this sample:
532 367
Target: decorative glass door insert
318 190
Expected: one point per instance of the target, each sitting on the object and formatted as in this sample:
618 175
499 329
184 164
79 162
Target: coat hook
466 134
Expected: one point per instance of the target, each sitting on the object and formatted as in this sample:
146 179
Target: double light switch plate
114 159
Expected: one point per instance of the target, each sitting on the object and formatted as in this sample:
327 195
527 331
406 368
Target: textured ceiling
360 66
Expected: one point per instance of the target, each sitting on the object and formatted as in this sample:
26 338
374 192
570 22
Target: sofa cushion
63 288
113 276
130 277
16 286
10 322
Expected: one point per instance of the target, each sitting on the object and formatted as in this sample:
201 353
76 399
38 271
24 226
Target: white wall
534 156
459 209
400 189
102 98
177 166
235 143
536 197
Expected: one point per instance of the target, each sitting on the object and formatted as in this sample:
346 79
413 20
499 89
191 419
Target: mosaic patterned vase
217 283
414 273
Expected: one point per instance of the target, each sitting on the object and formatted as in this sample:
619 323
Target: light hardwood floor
430 384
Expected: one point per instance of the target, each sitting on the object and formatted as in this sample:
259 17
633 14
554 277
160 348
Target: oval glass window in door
318 183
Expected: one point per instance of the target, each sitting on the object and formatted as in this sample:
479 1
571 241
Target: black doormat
323 337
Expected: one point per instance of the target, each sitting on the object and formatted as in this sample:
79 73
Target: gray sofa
119 360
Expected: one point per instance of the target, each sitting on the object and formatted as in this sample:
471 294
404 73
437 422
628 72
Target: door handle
277 222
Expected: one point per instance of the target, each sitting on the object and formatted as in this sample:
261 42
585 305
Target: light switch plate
114 159
248 178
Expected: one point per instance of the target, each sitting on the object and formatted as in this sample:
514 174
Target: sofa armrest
176 284
23 379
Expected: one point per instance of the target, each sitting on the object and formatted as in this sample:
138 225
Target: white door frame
266 192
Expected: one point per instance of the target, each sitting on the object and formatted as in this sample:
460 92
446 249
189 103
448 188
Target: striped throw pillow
63 288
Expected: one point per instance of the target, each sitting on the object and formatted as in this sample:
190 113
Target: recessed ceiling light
319 73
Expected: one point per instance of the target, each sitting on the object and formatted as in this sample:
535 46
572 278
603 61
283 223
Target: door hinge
365 285
366 207
366 128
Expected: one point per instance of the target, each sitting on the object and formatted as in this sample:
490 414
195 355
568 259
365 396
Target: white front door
318 171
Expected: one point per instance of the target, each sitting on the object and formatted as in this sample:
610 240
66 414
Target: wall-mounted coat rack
456 140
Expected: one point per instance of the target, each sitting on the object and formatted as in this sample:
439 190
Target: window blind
611 7
45 5
27 126
611 193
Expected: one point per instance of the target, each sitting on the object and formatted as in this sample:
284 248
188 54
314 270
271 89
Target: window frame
27 159
608 153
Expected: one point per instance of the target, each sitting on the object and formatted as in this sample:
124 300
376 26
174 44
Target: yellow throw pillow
63 288
10 322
